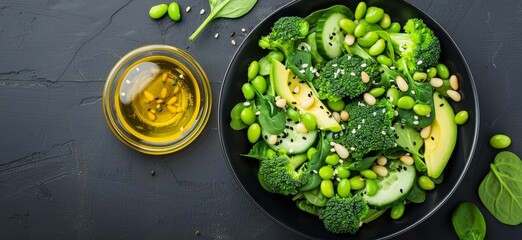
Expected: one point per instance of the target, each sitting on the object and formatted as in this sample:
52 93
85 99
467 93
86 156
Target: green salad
348 114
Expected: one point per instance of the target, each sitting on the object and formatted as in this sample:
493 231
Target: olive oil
157 99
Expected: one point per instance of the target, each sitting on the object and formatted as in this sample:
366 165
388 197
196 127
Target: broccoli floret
344 215
283 174
341 77
369 128
418 46
284 34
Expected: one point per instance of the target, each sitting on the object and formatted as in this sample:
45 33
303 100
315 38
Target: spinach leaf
468 222
225 9
317 161
417 194
364 163
308 207
258 151
271 118
422 93
411 141
501 189
236 123
313 18
297 60
315 197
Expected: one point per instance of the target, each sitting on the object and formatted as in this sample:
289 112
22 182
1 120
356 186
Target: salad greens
501 189
468 222
338 78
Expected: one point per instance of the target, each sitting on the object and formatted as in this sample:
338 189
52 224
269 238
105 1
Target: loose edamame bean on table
500 141
158 11
174 11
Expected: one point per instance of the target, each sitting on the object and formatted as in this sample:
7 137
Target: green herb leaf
225 9
501 189
468 222
258 151
236 123
363 164
417 194
315 197
313 18
271 118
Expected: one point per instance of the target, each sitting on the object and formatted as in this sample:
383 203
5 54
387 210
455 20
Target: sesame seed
304 65
258 113
338 179
413 92
383 133
246 104
334 65
415 117
332 149
353 74
216 36
123 93
315 171
352 149
353 131
233 42
187 9
341 161
419 62
202 12
363 65
332 143
416 122
127 81
243 30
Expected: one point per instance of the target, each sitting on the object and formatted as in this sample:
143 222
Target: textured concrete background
63 175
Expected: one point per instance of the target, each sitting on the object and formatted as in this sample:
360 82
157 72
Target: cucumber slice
392 188
292 141
329 36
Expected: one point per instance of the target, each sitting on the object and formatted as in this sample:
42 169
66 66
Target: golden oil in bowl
157 99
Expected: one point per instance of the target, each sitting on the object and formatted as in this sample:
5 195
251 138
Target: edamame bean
422 109
383 59
357 183
385 21
248 116
397 210
395 27
264 66
371 187
377 48
420 76
461 117
332 159
359 30
254 132
500 141
275 55
432 72
426 183
368 39
253 70
174 11
259 82
405 102
310 153
336 106
293 114
327 188
347 25
158 11
374 14
377 92
343 188
369 174
248 91
309 121
326 172
442 71
360 10
393 95
342 172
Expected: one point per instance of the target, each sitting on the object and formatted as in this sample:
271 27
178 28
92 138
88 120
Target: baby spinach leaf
364 163
225 9
317 161
422 93
468 222
313 18
258 151
417 194
308 207
271 118
501 189
315 197
236 123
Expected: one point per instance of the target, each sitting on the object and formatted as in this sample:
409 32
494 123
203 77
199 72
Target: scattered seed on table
243 30
187 9
216 36
233 42
202 12
152 172
232 34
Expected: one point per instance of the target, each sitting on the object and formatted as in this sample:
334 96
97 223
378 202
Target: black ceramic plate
282 209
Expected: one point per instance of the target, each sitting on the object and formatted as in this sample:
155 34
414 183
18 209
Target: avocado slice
443 137
285 83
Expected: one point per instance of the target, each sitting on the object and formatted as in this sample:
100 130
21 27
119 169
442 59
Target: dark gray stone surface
64 175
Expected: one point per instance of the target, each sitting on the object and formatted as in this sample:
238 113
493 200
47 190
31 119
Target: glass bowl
157 99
